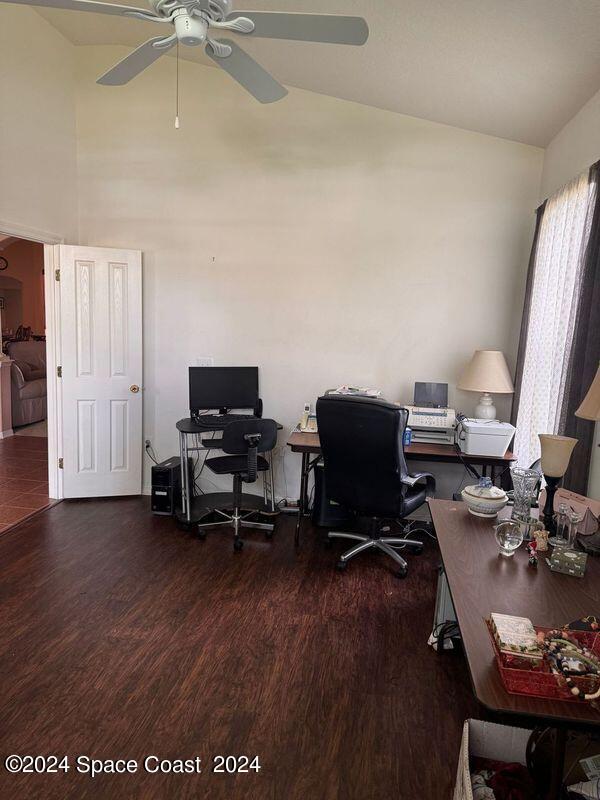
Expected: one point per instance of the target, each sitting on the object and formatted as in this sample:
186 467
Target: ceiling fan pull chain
177 89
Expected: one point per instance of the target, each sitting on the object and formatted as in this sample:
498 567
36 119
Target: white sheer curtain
563 236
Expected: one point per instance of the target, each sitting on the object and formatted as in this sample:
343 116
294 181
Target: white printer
429 418
484 437
432 424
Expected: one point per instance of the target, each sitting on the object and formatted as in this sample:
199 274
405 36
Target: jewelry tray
522 676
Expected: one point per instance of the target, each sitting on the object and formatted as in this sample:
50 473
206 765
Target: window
562 240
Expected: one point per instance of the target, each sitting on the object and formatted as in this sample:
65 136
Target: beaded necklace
561 649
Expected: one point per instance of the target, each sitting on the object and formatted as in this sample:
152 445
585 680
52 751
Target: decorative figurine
532 550
541 539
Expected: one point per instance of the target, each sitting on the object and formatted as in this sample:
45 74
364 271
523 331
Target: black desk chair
243 440
365 470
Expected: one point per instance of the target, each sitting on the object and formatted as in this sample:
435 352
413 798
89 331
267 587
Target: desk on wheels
196 507
309 446
482 582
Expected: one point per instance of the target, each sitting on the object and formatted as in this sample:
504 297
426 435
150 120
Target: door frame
52 309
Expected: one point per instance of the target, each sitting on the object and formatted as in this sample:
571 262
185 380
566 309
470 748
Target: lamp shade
487 372
556 454
590 408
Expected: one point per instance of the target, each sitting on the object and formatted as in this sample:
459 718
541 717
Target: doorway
23 381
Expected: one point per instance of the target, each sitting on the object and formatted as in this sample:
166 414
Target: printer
429 418
435 425
484 437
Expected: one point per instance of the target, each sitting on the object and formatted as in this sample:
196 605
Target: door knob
135 389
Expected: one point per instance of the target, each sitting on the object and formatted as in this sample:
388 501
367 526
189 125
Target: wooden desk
481 581
308 445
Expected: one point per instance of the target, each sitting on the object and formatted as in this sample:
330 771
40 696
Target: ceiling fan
194 23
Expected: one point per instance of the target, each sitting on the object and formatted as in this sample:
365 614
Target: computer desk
309 445
195 507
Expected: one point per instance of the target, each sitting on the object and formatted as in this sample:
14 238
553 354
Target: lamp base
486 408
547 516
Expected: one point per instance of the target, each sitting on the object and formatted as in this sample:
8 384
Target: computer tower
166 485
326 512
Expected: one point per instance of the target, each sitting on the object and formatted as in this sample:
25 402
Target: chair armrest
412 480
18 379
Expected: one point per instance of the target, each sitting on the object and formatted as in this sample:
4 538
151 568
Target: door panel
101 358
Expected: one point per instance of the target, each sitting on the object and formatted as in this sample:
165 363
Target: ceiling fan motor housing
190 30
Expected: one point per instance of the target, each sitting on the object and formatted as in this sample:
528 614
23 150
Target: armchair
28 382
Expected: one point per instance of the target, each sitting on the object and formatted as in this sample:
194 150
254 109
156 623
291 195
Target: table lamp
590 408
556 454
487 372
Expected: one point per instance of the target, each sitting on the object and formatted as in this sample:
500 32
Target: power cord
459 430
150 451
197 477
409 531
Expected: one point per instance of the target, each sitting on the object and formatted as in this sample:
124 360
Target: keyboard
209 420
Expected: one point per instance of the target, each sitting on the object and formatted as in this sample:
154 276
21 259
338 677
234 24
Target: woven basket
487 740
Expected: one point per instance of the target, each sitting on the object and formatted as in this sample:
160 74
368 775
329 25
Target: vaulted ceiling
518 69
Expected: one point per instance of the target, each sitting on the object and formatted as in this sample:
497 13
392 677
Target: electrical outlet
205 361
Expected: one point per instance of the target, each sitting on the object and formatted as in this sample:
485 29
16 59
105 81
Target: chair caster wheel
202 535
402 572
417 551
269 535
238 545
341 566
328 543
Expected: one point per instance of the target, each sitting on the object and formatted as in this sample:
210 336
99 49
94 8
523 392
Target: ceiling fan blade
248 73
80 5
327 28
135 63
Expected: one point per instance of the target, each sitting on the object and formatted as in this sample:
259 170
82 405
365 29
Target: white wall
325 241
37 126
573 150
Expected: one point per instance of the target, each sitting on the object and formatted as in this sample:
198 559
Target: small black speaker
166 485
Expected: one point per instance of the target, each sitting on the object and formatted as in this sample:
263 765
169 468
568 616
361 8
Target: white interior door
101 360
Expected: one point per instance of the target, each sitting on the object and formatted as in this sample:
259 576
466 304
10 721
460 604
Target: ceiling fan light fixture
190 31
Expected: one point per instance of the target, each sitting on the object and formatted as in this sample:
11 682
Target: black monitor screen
223 387
431 395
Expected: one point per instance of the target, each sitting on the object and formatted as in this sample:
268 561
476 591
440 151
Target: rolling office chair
365 470
242 440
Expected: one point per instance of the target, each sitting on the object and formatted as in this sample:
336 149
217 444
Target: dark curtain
525 319
584 355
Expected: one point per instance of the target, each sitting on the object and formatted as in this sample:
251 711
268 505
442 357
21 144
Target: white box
478 437
488 740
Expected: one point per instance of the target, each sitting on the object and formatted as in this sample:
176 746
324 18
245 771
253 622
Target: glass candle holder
561 523
574 518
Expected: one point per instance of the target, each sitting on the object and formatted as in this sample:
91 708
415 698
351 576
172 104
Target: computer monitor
223 388
431 395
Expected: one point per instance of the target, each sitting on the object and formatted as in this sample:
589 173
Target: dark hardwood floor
124 637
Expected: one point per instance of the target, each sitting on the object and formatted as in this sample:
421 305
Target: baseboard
6 434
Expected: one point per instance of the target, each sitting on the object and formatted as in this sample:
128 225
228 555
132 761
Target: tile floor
23 478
